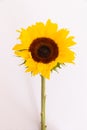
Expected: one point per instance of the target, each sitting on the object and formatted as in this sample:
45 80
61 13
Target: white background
66 91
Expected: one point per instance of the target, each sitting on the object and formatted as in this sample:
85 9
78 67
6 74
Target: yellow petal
23 54
20 47
50 28
69 41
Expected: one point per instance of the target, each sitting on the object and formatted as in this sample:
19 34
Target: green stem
43 104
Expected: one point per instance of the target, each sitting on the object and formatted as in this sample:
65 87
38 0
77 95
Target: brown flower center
44 50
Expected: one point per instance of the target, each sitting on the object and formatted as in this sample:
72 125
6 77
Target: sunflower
43 47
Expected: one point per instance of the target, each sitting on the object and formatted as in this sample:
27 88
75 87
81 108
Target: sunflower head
44 47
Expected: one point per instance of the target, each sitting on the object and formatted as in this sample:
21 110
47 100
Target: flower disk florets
43 50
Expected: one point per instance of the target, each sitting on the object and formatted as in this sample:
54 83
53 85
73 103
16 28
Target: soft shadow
32 98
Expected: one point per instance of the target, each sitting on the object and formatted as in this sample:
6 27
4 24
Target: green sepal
23 62
59 65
